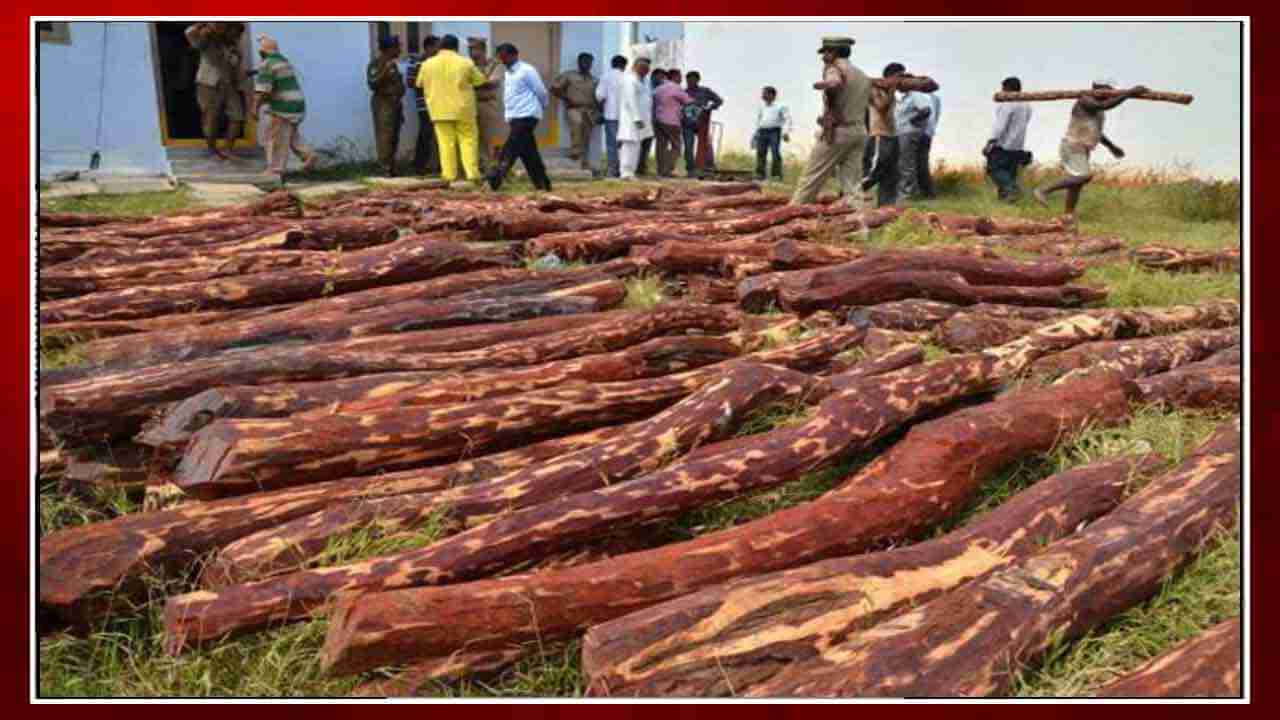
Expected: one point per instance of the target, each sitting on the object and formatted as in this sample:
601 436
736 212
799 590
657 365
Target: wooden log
79 409
1140 357
66 282
81 585
1179 98
880 341
512 225
729 638
870 510
660 356
914 314
292 544
601 244
1157 257
758 292
972 641
412 258
734 202
89 330
701 288
1198 385
946 286
333 318
705 416
793 254
699 257
895 358
59 220
917 83
237 456
1207 665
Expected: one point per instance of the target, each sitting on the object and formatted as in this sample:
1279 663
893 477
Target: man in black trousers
525 98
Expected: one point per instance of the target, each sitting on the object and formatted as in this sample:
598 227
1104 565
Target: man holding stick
1084 133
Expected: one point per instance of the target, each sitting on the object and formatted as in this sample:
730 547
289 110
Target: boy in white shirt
773 127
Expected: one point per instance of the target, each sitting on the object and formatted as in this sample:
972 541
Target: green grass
61 349
123 657
644 291
134 204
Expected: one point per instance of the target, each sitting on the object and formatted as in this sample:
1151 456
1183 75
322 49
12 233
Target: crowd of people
479 115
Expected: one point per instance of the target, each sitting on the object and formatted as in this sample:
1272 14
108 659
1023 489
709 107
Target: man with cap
426 154
635 116
490 118
524 99
388 87
277 89
577 90
1084 133
449 81
843 130
218 81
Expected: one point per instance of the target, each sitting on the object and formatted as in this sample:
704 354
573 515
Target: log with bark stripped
660 356
705 416
115 404
1139 357
1157 257
729 638
933 285
1180 98
793 254
972 641
334 318
757 292
1207 665
60 220
412 258
1204 384
851 519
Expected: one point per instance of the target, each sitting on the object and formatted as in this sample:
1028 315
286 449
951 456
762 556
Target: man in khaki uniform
838 150
218 81
387 85
490 115
577 89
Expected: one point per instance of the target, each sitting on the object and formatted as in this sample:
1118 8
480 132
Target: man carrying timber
880 164
843 132
577 90
218 81
388 87
1084 133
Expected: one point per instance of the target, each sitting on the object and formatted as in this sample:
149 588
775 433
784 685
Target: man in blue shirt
911 117
524 97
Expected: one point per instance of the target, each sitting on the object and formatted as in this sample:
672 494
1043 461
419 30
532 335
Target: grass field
123 656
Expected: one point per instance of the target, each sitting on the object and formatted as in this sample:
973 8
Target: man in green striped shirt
277 88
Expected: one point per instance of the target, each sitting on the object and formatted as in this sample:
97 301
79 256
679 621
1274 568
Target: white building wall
970 59
78 84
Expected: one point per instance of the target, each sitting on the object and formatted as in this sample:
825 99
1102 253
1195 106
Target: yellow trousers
454 136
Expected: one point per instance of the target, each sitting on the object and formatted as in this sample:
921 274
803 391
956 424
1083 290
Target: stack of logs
394 360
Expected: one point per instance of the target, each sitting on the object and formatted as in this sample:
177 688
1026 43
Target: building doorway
176 63
539 45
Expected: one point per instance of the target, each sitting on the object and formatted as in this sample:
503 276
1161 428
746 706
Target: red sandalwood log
1207 665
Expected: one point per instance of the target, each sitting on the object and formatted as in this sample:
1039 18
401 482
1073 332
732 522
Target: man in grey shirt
1004 150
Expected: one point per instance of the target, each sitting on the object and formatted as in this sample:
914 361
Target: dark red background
16 313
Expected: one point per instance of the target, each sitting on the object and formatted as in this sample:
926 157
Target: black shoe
494 182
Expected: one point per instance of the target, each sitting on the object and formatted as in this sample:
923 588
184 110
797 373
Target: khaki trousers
213 101
841 159
285 137
579 135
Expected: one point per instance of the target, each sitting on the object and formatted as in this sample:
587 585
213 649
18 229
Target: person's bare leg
1073 197
1041 194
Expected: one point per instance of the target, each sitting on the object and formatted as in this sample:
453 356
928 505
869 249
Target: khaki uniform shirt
578 90
385 79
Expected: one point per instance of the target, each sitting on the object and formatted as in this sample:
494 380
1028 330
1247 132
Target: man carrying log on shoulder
1084 133
838 150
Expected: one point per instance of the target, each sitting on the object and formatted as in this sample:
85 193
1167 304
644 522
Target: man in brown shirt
577 90
1084 133
490 117
838 150
880 161
218 81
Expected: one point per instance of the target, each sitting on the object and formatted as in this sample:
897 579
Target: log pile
287 376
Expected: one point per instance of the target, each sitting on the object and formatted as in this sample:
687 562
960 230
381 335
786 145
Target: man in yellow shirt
449 83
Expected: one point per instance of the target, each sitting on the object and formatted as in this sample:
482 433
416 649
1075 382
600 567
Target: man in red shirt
668 101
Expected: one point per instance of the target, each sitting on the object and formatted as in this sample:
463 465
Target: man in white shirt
635 116
607 93
1005 149
924 177
524 97
773 127
910 118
